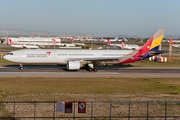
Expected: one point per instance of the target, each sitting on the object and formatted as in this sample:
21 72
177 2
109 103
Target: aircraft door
20 54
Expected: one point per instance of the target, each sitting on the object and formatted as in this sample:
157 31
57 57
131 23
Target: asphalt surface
103 71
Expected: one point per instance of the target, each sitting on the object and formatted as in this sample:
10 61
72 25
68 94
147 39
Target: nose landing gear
21 66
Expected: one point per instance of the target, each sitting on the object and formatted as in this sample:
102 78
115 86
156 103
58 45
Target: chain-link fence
49 110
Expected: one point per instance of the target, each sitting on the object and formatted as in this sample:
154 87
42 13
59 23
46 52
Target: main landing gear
21 66
90 68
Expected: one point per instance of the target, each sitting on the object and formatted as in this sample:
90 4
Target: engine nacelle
73 65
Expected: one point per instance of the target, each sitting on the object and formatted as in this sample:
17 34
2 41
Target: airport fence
91 110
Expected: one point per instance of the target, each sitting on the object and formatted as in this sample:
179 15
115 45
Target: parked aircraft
113 45
76 59
78 44
173 44
129 46
14 45
112 40
22 46
63 44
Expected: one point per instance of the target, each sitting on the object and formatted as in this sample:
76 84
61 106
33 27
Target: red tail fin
171 42
109 42
101 38
20 36
55 42
11 42
123 44
72 41
45 36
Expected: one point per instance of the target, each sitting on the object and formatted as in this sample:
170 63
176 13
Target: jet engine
73 65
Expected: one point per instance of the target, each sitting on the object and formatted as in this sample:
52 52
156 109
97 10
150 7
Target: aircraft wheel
21 68
95 69
90 69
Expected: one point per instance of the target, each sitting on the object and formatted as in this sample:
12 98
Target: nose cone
5 57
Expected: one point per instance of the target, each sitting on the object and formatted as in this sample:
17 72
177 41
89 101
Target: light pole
92 41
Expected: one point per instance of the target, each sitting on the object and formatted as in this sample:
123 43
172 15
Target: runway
103 72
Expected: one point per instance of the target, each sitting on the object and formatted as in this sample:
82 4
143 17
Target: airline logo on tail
55 42
11 42
150 48
109 42
72 41
123 45
171 42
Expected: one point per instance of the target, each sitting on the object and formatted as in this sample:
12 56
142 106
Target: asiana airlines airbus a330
76 59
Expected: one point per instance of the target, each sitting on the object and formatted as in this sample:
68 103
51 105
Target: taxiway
104 71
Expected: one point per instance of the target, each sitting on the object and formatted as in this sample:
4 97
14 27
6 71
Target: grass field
88 89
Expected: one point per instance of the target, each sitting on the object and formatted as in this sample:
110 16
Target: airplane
129 47
76 59
63 44
113 45
14 45
22 46
173 44
78 44
112 40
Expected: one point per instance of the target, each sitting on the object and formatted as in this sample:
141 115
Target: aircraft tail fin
171 42
150 48
11 42
72 41
55 42
109 42
123 45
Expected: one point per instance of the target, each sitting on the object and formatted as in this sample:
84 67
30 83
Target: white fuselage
56 56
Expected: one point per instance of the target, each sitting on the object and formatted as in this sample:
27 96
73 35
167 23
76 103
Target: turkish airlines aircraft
112 40
14 45
78 44
22 46
63 44
173 44
113 45
76 59
129 47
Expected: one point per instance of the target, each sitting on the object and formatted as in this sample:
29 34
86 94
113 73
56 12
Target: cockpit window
10 54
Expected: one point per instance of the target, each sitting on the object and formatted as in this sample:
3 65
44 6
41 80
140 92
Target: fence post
147 109
74 111
91 110
54 110
110 109
165 109
129 111
14 111
34 110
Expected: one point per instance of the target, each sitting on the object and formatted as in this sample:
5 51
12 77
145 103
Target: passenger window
10 53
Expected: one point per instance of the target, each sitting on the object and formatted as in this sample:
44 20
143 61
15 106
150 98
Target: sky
92 17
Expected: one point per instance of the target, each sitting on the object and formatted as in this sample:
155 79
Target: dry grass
88 89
